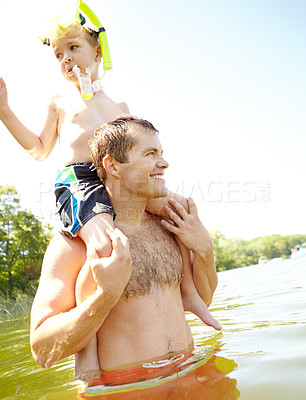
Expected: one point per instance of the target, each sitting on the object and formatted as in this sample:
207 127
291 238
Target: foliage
17 307
234 253
23 241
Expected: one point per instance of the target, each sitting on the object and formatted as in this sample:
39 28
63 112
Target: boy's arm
204 272
59 328
38 146
189 229
157 206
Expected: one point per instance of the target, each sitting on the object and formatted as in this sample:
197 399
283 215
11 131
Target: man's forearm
204 273
65 334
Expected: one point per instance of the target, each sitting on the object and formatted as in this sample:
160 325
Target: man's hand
187 226
113 273
125 116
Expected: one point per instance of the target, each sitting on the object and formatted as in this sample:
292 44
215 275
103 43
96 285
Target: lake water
262 347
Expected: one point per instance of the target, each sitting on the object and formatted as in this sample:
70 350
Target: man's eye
59 56
73 47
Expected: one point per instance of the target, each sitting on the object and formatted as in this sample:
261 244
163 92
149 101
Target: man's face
142 176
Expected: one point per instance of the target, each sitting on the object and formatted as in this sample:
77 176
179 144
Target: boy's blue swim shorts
80 195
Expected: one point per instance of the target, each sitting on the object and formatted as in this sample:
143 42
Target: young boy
81 199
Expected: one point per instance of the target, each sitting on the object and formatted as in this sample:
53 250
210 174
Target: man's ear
99 53
110 166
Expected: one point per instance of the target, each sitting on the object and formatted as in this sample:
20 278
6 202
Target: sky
223 81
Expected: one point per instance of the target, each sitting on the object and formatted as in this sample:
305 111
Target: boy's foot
200 309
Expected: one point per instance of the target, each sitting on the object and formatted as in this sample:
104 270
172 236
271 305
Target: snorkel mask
65 20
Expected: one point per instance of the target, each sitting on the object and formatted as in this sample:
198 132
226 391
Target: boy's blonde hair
74 30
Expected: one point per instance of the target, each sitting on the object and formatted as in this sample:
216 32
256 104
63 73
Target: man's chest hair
156 260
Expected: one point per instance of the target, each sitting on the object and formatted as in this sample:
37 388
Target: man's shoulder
148 217
153 222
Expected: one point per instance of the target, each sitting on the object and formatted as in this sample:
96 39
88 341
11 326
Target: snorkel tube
107 63
86 87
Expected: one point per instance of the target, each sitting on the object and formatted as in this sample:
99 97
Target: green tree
276 245
223 252
234 253
246 254
23 241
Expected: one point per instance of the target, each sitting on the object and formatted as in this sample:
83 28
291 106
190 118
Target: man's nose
162 163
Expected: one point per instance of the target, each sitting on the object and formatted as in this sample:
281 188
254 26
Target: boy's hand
3 94
126 117
113 273
187 226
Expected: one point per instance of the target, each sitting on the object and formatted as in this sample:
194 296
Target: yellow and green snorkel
107 63
84 80
87 87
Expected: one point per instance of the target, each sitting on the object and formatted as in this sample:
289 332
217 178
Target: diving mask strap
97 85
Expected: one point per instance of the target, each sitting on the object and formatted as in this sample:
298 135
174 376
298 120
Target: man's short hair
115 139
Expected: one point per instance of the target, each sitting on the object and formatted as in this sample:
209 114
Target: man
135 306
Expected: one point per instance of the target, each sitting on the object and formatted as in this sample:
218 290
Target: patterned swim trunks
146 376
80 195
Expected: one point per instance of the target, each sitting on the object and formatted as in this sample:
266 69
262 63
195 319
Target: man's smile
158 177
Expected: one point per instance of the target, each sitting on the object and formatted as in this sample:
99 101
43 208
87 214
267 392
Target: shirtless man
136 309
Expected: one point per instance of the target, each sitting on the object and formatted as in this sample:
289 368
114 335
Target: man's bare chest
156 260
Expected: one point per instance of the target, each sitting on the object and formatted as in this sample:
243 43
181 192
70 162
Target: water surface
262 347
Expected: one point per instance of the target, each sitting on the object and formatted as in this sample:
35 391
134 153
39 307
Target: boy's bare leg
191 299
98 245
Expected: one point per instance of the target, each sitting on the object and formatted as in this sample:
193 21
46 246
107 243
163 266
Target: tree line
24 239
235 253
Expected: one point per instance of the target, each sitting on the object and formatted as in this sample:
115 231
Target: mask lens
61 22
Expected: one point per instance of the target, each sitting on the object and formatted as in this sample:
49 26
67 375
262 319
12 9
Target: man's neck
129 208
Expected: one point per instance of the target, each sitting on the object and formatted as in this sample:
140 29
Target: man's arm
38 146
190 230
59 328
